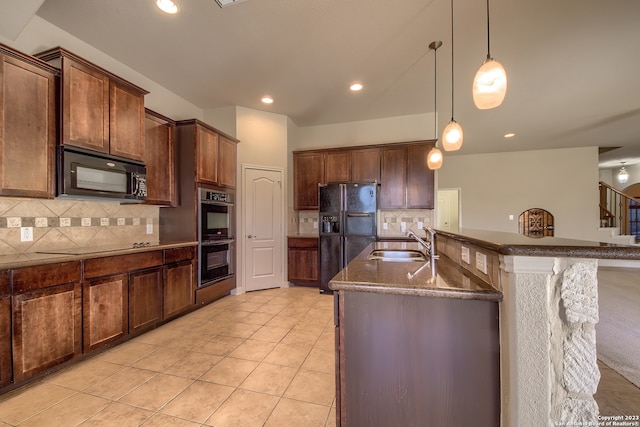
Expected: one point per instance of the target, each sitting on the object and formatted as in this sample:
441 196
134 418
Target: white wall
494 186
39 35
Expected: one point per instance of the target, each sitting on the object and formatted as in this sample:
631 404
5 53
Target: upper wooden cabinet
405 180
308 172
365 164
338 166
160 159
27 125
207 155
100 111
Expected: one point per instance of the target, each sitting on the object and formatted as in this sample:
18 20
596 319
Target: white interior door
448 211
264 238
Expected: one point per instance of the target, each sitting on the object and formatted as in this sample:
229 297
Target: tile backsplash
390 222
65 224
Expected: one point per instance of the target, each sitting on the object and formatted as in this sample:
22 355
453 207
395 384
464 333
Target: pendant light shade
490 81
623 175
489 85
452 136
435 157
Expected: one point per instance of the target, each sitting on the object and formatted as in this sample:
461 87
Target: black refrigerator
347 218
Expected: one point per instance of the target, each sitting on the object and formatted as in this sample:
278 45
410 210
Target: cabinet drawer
179 254
303 242
43 276
98 267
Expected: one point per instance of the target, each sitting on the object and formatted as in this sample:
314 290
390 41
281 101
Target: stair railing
614 209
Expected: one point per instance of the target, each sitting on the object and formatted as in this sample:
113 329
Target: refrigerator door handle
358 215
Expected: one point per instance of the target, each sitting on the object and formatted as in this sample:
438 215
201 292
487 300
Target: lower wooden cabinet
303 261
179 288
105 310
145 299
5 329
47 317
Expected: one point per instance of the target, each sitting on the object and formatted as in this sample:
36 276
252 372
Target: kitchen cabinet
6 369
100 111
207 156
403 359
303 261
405 180
365 165
47 317
180 272
27 125
160 158
105 310
337 167
308 172
145 299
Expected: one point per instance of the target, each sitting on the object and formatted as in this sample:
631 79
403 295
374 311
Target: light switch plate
465 254
481 262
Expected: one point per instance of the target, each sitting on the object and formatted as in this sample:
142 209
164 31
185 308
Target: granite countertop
304 235
411 278
80 253
519 244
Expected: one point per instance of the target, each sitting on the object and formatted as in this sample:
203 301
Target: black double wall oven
216 235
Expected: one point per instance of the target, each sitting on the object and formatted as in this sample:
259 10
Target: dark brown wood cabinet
6 369
308 172
145 299
405 180
208 156
303 261
27 125
337 167
180 275
365 165
415 360
100 111
160 154
105 310
47 317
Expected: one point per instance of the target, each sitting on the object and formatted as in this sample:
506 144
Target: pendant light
490 82
434 158
623 175
452 134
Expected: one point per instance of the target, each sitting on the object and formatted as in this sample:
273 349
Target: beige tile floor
259 359
263 358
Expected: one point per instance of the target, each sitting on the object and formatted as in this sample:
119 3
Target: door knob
249 236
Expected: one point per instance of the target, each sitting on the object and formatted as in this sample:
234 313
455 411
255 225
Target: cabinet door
145 299
338 167
85 107
206 155
365 165
160 160
27 129
5 329
419 177
105 310
179 288
303 261
393 177
308 172
47 328
226 162
126 122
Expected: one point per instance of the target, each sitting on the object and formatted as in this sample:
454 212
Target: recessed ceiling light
227 3
509 135
167 6
267 99
356 86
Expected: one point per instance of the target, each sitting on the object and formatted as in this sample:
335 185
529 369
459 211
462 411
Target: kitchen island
414 348
545 291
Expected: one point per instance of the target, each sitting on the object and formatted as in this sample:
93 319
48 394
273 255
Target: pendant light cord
488 35
435 92
451 60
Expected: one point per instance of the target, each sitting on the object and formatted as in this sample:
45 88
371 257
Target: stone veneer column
548 347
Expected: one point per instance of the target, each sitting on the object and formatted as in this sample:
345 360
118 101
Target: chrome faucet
429 247
418 239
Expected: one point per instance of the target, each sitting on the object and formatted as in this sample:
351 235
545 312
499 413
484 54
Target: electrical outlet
385 226
465 254
149 228
26 234
420 225
481 262
403 226
315 225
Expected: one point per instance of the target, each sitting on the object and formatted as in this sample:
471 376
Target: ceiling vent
227 3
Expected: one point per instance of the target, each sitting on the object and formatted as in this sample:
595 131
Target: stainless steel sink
397 255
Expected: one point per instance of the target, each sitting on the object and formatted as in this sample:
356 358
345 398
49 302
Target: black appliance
347 219
215 235
87 175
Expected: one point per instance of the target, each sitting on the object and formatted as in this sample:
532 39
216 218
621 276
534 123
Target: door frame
241 225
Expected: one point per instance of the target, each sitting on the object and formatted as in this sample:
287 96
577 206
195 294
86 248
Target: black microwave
86 175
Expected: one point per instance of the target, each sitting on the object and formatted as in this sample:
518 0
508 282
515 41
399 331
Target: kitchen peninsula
542 294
